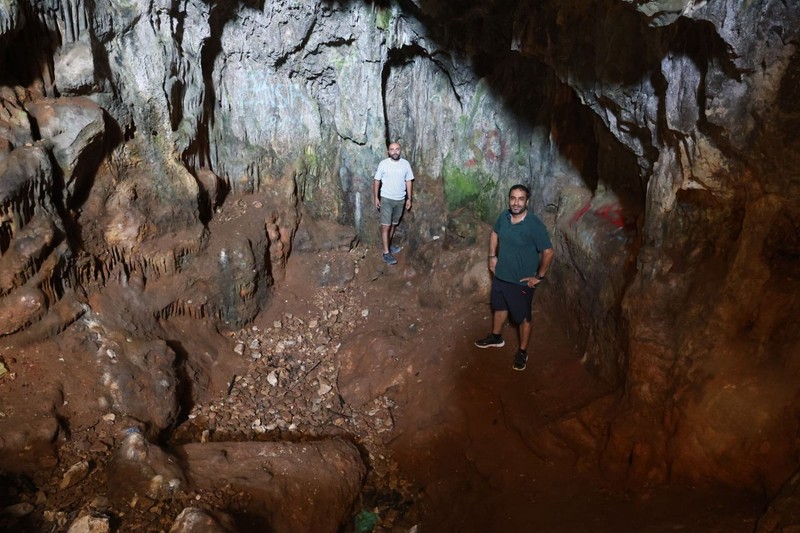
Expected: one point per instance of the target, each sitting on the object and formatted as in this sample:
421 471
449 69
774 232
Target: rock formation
157 160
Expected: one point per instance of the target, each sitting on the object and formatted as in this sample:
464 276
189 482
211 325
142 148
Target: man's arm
376 189
544 264
409 187
546 257
494 240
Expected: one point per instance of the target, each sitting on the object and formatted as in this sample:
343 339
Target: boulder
74 68
138 379
196 520
140 469
294 486
75 127
28 445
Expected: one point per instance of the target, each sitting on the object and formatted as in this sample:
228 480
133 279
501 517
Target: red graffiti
612 213
494 148
580 212
609 212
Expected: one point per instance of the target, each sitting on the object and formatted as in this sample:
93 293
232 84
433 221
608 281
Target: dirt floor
462 449
465 428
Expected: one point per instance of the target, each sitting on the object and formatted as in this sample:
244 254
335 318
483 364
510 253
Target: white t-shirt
393 176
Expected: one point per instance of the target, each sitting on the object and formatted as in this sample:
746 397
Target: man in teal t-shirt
520 253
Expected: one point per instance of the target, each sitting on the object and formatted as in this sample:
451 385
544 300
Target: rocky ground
288 392
454 439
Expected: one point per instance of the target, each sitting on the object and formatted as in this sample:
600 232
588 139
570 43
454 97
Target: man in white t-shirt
392 191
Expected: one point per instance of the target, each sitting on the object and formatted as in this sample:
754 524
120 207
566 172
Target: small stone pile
290 393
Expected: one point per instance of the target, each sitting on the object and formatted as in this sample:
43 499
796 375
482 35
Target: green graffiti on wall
469 188
382 17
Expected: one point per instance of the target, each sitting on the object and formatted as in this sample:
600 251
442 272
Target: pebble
75 474
18 510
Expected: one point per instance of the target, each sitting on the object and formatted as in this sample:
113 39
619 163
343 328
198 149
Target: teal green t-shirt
520 246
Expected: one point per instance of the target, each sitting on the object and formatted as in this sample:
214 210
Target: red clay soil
466 420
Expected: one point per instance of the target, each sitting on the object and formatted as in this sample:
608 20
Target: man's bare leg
386 232
391 236
498 320
524 334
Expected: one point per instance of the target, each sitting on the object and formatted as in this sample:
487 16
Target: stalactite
181 308
9 18
22 200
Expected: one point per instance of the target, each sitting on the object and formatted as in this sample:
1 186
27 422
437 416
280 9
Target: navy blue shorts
516 299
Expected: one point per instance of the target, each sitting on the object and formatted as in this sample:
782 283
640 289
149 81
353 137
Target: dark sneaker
389 259
491 341
520 360
393 249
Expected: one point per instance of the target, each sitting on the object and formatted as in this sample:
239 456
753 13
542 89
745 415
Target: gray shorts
391 211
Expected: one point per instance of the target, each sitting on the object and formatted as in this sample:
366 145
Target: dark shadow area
13 517
184 390
491 449
28 57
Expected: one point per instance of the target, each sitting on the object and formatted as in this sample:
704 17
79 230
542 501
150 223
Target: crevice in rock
396 57
185 387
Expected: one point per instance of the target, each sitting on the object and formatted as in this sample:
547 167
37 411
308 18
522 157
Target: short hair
521 187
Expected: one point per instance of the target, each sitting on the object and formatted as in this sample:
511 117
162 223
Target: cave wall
657 137
696 92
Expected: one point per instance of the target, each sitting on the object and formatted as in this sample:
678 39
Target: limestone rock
76 127
15 126
137 377
29 248
75 474
26 186
21 309
323 235
140 469
143 384
196 520
18 510
74 69
295 487
90 524
27 446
